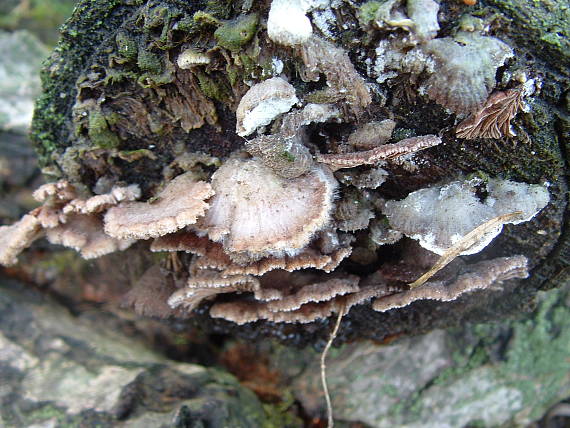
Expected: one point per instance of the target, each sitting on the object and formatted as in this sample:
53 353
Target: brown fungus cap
315 293
183 240
244 311
17 237
212 256
84 233
257 213
481 276
179 204
208 284
493 120
308 258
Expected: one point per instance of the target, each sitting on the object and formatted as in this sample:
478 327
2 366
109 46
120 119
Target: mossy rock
113 86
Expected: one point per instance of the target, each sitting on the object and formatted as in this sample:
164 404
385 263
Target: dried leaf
494 119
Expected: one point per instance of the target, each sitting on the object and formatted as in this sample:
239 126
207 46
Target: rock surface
57 370
500 374
22 54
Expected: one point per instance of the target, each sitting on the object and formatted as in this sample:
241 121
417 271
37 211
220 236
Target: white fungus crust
424 15
262 103
258 213
440 216
288 24
190 58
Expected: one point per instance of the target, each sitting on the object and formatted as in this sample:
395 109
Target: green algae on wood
542 23
233 35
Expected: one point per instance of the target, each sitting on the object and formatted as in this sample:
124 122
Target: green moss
249 61
156 17
149 62
126 45
93 20
540 25
213 88
234 34
99 132
367 12
204 18
66 261
116 76
134 155
288 156
537 360
323 96
282 415
44 414
155 77
220 8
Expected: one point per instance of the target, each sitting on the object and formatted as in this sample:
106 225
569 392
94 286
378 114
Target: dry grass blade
465 243
330 423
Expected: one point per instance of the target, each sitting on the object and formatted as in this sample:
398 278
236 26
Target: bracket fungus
181 203
480 276
17 237
388 151
257 213
84 233
294 303
66 220
281 162
439 216
467 65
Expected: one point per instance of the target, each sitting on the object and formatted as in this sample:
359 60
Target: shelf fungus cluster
285 174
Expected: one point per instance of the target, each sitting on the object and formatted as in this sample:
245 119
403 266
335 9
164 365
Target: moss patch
233 35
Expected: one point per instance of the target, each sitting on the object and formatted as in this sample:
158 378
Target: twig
330 423
464 243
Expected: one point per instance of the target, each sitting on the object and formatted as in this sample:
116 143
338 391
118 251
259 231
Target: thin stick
324 367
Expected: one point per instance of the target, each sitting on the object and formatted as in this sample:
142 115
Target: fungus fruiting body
178 205
438 217
258 213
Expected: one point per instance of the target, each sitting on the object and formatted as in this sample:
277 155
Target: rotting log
116 104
